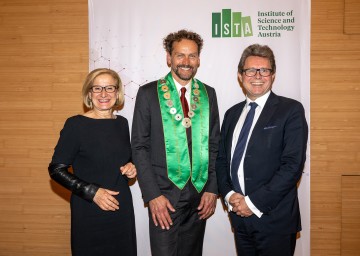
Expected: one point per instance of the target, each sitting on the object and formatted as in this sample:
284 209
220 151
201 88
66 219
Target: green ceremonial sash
174 123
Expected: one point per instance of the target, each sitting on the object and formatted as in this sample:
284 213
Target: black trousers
252 242
185 237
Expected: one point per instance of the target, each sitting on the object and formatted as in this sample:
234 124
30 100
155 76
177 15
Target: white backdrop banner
127 35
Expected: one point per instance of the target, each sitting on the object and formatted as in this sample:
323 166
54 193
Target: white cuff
252 207
227 197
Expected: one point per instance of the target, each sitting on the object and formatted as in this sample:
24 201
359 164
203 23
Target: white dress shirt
188 90
261 103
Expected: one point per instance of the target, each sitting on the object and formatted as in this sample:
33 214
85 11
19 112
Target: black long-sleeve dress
96 149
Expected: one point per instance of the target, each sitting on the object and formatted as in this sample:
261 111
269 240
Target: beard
186 76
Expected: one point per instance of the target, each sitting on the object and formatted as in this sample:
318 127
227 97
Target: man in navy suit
259 181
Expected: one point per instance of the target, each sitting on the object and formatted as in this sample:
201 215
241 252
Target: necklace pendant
191 114
186 122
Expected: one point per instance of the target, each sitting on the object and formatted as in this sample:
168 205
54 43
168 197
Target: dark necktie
184 102
185 107
240 147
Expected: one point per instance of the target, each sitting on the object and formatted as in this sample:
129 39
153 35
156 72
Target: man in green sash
175 137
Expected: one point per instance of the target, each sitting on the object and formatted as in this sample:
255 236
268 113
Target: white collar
260 101
179 86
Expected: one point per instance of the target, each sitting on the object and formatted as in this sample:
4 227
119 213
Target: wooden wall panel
351 17
350 215
335 120
43 61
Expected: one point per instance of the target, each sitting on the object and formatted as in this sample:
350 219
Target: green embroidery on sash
176 146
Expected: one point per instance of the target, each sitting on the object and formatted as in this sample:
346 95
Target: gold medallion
193 106
196 98
196 86
167 95
169 103
186 122
196 92
191 113
164 88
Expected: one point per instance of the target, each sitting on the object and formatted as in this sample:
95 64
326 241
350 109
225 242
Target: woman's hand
129 170
105 200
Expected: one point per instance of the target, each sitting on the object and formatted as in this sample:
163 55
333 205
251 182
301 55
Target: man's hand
234 199
239 205
159 211
129 170
207 205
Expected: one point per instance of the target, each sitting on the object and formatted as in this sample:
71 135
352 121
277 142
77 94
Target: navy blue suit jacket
273 163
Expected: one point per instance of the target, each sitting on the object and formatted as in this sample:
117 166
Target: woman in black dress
97 147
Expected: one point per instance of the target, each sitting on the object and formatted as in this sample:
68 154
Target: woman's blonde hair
89 82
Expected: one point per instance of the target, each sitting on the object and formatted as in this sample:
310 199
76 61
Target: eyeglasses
250 72
99 89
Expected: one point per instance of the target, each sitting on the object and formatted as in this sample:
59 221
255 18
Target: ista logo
228 24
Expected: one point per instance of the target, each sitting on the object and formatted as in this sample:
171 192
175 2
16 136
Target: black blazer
148 145
273 162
